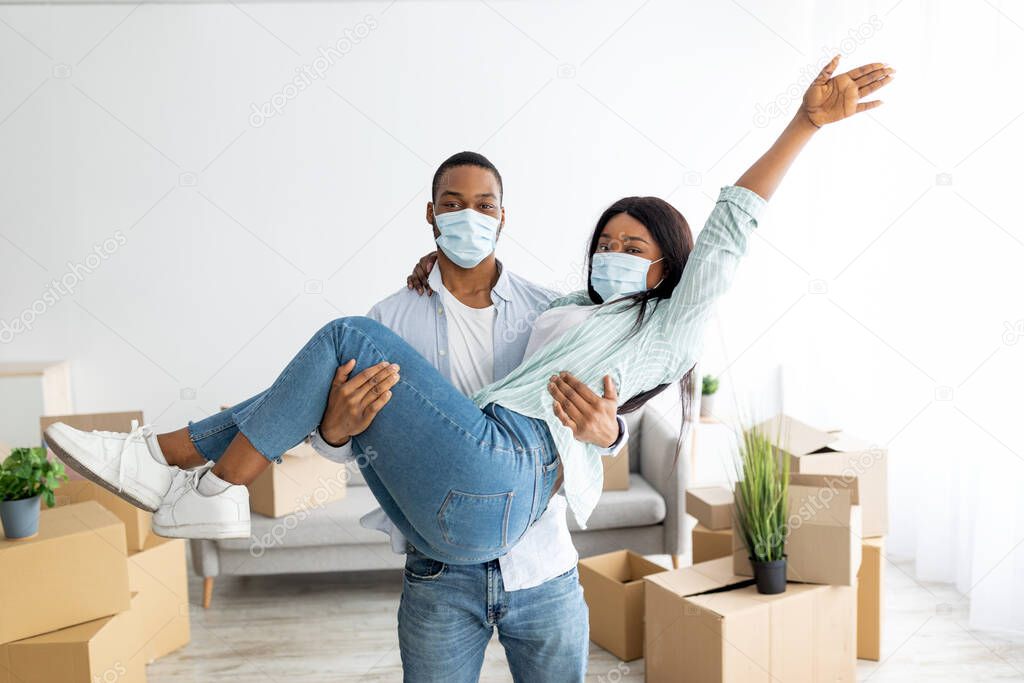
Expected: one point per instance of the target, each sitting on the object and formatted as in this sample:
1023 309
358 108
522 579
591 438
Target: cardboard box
845 457
304 480
707 625
871 599
160 577
137 523
616 471
711 505
710 545
74 570
824 539
613 587
107 649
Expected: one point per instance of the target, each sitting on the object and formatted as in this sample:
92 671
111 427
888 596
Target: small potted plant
709 385
762 509
26 476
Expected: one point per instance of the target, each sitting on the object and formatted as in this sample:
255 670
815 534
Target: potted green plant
762 493
26 476
709 385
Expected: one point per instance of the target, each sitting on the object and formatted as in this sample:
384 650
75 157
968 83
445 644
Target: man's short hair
465 159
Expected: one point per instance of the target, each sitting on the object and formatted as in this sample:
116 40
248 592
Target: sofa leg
207 591
675 562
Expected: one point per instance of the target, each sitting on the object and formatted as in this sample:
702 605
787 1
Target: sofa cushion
336 523
639 505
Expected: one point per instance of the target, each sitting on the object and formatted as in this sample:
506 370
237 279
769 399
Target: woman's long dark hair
670 230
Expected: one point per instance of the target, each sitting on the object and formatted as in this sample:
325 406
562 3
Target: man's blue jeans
448 613
461 483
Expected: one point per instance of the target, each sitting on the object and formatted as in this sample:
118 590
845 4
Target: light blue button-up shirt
545 550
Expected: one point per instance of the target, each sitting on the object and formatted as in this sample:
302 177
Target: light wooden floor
315 629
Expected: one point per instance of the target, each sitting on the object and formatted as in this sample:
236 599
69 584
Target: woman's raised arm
828 99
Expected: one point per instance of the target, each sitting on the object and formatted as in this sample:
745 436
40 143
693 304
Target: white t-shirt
553 323
470 343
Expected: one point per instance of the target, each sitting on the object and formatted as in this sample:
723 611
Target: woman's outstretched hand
834 98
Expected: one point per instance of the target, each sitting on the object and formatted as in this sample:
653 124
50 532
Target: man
475 331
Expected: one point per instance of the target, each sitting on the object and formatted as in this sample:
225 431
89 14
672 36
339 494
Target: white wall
869 289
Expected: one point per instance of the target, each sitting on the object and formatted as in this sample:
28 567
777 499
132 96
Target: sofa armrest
667 473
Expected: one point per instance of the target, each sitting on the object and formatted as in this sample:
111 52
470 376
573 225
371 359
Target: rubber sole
212 532
72 462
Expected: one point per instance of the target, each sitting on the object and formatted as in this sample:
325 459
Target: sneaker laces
136 434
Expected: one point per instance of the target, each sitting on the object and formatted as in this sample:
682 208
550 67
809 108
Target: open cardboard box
824 542
613 587
705 624
844 457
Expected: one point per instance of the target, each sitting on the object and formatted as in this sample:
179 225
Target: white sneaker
187 513
119 462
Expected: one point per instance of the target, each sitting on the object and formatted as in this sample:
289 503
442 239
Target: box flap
740 600
793 436
700 578
847 443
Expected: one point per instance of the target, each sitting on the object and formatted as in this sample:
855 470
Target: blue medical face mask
467 236
614 274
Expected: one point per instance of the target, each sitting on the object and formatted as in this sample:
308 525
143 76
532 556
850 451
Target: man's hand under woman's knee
355 401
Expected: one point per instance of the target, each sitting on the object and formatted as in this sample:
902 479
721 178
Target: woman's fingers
873 77
872 87
826 72
865 106
864 70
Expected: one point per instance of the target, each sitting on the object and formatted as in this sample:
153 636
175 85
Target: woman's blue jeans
462 483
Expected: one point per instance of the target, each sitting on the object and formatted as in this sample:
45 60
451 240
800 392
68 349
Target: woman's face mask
467 237
615 275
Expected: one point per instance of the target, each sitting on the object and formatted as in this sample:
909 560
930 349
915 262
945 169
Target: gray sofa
648 518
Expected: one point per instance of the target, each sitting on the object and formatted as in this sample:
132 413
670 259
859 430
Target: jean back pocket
476 521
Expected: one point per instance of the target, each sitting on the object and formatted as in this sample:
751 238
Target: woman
461 477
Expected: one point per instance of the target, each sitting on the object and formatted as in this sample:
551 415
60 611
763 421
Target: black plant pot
770 577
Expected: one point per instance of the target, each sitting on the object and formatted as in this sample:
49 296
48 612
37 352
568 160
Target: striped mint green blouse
660 352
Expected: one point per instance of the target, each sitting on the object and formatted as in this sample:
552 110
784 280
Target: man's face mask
467 237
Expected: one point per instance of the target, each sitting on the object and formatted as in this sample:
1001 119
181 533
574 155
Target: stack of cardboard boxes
708 622
94 596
